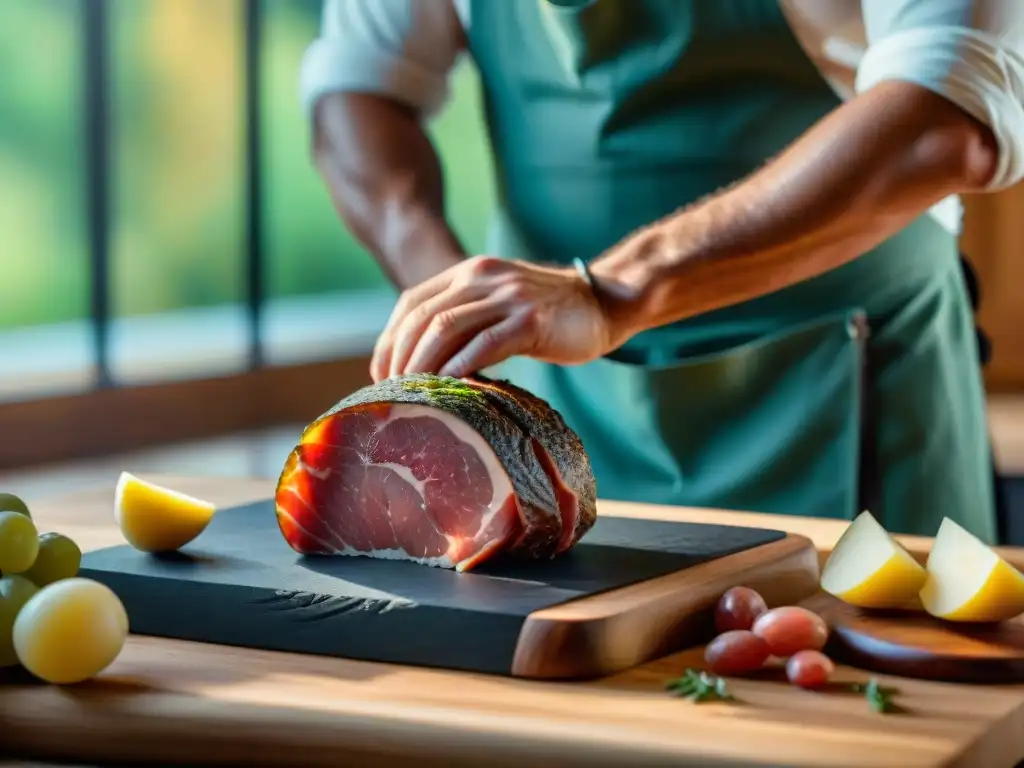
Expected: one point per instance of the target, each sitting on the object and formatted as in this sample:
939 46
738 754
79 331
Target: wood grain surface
616 630
913 644
183 702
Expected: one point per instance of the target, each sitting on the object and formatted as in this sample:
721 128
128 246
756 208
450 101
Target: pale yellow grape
59 558
70 631
15 591
19 542
11 503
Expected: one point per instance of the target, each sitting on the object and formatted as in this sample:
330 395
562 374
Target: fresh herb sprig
879 698
444 386
698 685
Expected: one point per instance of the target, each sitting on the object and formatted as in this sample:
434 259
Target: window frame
108 420
108 416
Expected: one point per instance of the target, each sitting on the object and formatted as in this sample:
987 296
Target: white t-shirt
969 51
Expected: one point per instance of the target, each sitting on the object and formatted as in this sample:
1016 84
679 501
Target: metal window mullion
96 134
254 288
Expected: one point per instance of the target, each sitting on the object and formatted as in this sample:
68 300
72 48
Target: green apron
858 389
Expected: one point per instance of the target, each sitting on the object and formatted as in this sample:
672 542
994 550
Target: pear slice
870 569
157 519
968 581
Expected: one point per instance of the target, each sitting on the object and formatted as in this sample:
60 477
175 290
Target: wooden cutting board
631 591
175 702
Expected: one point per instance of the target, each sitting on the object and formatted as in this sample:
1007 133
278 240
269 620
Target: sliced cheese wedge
870 569
157 519
968 581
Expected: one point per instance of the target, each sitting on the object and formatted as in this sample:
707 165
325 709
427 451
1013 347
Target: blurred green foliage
178 173
41 197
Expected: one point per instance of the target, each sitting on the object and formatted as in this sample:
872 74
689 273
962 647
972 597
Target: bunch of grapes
750 634
60 627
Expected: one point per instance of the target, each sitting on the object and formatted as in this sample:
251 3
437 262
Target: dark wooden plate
913 644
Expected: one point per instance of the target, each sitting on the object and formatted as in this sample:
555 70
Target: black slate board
239 583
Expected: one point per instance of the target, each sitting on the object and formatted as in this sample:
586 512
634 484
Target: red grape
736 652
791 629
738 609
809 669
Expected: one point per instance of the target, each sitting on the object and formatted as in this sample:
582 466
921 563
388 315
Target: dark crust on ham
538 501
537 418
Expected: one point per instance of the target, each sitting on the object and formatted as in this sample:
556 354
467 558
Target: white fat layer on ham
500 484
382 554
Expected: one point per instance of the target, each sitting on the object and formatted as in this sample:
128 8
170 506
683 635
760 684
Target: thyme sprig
698 685
879 698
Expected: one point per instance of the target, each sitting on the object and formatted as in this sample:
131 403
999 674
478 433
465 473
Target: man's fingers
381 358
448 331
407 333
512 336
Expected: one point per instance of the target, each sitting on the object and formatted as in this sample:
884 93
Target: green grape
70 631
11 503
59 558
19 542
15 591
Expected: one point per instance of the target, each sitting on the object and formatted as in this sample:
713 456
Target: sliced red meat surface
568 501
400 481
443 472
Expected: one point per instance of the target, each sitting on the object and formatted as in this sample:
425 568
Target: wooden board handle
613 631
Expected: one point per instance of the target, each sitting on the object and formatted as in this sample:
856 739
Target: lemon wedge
870 569
157 519
968 581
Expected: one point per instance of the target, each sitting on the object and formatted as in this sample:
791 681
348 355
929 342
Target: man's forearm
856 178
386 183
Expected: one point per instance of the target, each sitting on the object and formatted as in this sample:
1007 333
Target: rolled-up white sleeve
404 49
969 51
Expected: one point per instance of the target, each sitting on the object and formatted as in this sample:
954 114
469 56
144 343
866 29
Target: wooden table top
188 702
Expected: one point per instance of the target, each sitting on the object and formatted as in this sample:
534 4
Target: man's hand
485 310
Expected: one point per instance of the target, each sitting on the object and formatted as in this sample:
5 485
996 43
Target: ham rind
438 471
560 453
